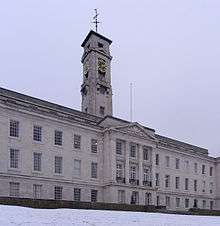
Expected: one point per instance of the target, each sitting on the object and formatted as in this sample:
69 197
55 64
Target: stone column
140 164
127 176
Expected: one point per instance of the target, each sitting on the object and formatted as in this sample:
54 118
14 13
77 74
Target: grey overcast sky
170 50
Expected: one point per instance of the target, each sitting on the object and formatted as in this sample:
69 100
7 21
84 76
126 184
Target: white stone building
48 151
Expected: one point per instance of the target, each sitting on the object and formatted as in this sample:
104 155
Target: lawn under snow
12 215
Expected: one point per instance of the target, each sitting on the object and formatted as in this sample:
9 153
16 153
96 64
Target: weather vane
95 20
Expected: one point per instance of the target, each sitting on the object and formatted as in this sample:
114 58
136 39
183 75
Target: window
119 147
58 164
157 159
167 201
77 168
177 202
58 193
94 170
195 167
146 174
177 182
211 171
203 169
77 194
167 160
148 199
100 45
77 141
211 187
167 181
121 196
177 164
195 185
195 203
134 197
133 172
145 153
187 165
157 179
14 158
37 161
37 133
186 203
158 200
102 110
119 170
14 128
14 189
203 186
37 191
133 150
58 137
186 183
211 205
204 204
94 146
94 194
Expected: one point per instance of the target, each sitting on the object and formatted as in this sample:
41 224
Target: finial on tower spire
95 20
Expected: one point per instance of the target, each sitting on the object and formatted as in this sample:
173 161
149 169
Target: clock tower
96 89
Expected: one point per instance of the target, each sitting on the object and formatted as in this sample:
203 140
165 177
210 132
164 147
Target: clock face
102 67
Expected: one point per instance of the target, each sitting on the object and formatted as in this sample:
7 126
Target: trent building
48 151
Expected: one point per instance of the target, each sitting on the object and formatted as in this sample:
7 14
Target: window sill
38 142
58 146
14 138
37 172
14 170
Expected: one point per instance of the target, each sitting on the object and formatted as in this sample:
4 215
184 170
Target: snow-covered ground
19 216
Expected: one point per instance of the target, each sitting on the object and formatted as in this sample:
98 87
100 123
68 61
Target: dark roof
165 141
56 107
97 34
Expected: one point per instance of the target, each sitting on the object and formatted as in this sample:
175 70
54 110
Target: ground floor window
14 189
167 201
134 197
121 196
58 193
148 198
94 194
211 205
204 204
37 190
158 200
77 194
195 203
186 203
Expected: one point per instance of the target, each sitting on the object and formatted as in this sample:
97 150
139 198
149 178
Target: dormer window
100 45
88 46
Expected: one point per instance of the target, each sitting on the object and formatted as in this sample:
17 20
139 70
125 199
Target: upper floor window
37 133
195 167
157 179
118 147
195 185
58 136
186 184
145 153
58 193
211 171
37 161
167 160
94 167
203 169
14 128
58 164
211 187
146 174
77 168
177 182
133 171
119 170
186 165
177 163
77 141
167 181
14 158
157 159
102 110
94 145
133 150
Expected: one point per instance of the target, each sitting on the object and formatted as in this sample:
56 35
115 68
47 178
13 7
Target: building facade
48 151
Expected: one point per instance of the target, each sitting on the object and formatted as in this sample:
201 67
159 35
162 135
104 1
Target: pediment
135 129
